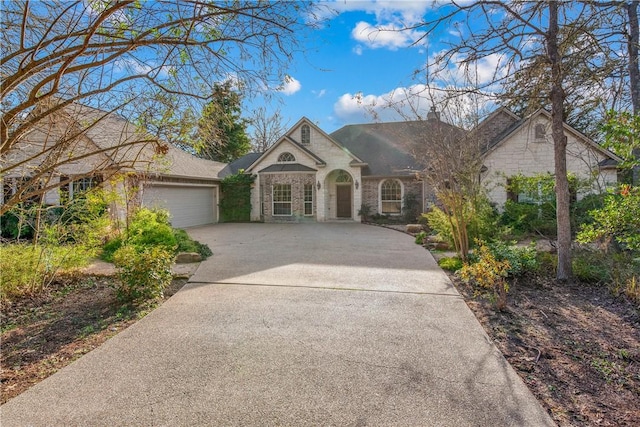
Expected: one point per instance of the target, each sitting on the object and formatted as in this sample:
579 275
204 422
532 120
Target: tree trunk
564 272
634 71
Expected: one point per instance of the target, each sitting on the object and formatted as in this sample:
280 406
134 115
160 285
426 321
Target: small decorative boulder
188 257
414 228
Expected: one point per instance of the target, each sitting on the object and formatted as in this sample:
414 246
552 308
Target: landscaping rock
188 257
414 228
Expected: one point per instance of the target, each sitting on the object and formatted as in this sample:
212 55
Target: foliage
151 228
365 212
421 237
235 203
187 244
622 136
488 273
139 59
620 272
527 218
450 263
481 222
17 223
144 272
222 133
521 259
617 221
27 268
410 208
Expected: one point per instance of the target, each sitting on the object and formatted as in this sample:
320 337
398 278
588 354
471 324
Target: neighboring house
79 147
309 175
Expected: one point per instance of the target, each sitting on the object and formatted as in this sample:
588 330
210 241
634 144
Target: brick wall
297 182
371 191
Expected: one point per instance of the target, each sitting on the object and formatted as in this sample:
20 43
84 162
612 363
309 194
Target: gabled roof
287 139
390 148
288 167
242 163
503 134
122 144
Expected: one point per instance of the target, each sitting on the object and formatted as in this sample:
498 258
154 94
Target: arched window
305 134
286 157
391 197
343 177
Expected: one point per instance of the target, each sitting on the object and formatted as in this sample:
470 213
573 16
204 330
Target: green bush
527 218
420 238
450 263
617 221
590 267
187 244
522 259
151 228
27 269
144 274
16 224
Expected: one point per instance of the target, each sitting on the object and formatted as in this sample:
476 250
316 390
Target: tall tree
267 129
222 132
519 35
122 57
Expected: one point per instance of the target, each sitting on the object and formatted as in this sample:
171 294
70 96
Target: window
391 197
343 177
11 186
282 200
308 199
77 187
286 157
540 131
305 134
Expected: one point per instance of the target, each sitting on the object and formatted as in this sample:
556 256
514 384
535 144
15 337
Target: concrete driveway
295 325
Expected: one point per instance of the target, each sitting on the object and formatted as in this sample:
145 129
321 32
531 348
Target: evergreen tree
222 133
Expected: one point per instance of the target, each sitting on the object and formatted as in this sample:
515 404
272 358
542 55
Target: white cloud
319 93
390 36
290 86
412 103
357 50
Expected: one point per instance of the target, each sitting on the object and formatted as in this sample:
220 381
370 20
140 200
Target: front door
344 201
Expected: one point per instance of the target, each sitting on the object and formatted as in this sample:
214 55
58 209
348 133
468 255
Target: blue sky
346 57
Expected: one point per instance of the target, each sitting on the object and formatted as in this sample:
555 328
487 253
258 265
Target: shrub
27 269
410 208
450 263
488 273
521 259
187 244
590 267
618 220
144 274
439 222
151 228
420 238
15 224
527 218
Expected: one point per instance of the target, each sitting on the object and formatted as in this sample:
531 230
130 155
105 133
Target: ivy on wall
235 203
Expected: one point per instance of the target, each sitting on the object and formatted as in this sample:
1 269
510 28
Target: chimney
433 114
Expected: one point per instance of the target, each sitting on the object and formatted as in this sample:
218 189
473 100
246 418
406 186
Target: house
309 175
79 147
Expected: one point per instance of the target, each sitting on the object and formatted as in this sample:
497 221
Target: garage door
188 206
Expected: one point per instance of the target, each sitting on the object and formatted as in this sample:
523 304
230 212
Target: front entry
343 197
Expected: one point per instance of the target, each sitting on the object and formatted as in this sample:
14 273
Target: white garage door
188 206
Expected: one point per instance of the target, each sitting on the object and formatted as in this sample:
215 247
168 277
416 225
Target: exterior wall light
357 184
319 185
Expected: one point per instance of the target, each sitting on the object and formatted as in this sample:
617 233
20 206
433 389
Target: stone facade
524 152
